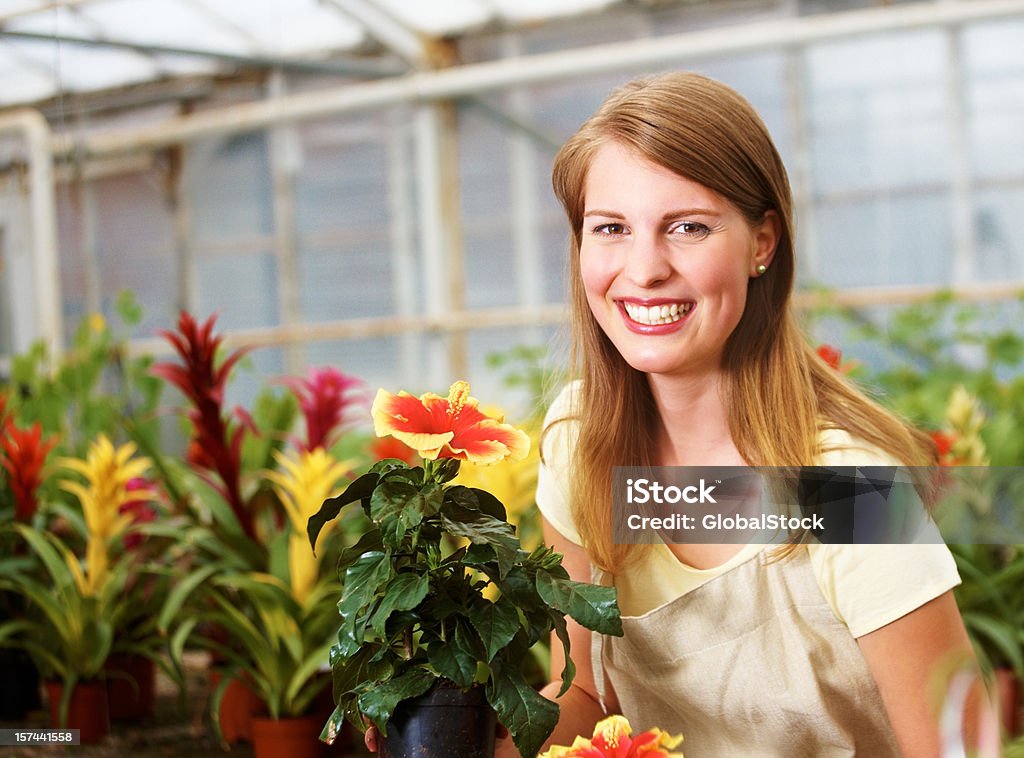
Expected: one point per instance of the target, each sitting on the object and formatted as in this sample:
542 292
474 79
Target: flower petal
489 442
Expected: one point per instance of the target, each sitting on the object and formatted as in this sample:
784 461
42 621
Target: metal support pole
806 242
32 127
961 197
284 159
440 228
522 166
403 244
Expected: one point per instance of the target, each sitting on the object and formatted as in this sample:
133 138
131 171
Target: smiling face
665 262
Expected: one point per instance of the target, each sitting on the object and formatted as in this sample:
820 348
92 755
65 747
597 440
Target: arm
579 706
907 659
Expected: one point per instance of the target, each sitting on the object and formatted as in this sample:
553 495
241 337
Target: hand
370 738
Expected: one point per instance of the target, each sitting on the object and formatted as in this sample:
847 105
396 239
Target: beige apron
752 663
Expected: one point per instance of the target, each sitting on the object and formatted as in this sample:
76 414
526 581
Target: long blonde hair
777 392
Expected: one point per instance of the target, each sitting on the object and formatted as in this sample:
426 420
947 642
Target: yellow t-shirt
868 586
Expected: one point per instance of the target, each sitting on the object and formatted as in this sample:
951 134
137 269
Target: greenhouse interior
235 235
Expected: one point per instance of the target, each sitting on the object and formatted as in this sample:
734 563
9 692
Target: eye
609 230
691 229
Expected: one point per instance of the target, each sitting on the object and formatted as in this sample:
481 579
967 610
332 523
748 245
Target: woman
682 267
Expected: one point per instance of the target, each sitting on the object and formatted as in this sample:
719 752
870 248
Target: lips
655 316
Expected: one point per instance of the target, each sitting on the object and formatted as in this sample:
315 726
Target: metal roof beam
483 77
49 5
387 30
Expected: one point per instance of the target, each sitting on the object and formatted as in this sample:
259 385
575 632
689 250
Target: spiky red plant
23 454
216 446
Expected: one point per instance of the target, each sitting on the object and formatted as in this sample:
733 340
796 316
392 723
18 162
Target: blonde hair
777 392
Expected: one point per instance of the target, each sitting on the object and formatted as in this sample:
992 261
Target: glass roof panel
287 27
80 69
22 82
438 18
163 22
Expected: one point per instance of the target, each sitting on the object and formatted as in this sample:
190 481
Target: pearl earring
761 269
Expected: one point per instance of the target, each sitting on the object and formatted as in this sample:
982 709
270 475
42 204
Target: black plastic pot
444 723
19 685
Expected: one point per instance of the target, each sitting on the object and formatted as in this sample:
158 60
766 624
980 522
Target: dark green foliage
414 608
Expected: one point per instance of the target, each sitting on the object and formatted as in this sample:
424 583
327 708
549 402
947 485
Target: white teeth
655 315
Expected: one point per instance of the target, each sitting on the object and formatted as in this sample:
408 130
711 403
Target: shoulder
554 475
837 447
566 402
869 586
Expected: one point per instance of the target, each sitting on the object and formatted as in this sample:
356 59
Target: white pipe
472 79
387 30
34 129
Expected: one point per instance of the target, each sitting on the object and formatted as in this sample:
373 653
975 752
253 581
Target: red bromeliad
216 447
24 453
323 397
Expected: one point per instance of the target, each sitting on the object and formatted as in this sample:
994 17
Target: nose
647 261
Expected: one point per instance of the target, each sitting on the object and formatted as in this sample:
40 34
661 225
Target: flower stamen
458 394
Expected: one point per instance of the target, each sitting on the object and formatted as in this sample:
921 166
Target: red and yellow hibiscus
451 427
612 739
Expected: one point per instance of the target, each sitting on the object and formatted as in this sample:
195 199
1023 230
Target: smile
656 315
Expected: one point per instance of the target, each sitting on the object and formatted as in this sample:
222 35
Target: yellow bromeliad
107 471
303 486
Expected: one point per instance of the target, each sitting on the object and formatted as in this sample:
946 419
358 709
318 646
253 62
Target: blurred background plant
956 370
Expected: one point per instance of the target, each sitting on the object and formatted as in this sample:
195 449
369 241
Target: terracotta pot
87 710
237 708
292 737
131 686
1008 692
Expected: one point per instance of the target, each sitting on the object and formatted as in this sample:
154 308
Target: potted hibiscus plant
440 604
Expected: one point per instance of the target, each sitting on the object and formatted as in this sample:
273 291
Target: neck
694 428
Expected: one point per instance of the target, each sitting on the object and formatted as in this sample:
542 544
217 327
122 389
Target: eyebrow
666 217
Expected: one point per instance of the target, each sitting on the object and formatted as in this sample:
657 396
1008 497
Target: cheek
597 273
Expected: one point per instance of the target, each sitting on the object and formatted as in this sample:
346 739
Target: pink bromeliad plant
326 397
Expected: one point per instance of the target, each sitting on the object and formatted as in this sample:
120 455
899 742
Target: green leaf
363 580
496 623
362 488
480 528
527 714
182 590
333 727
477 499
569 671
378 702
403 593
592 606
454 659
368 542
1003 638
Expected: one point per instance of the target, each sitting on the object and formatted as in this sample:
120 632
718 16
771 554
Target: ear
767 234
